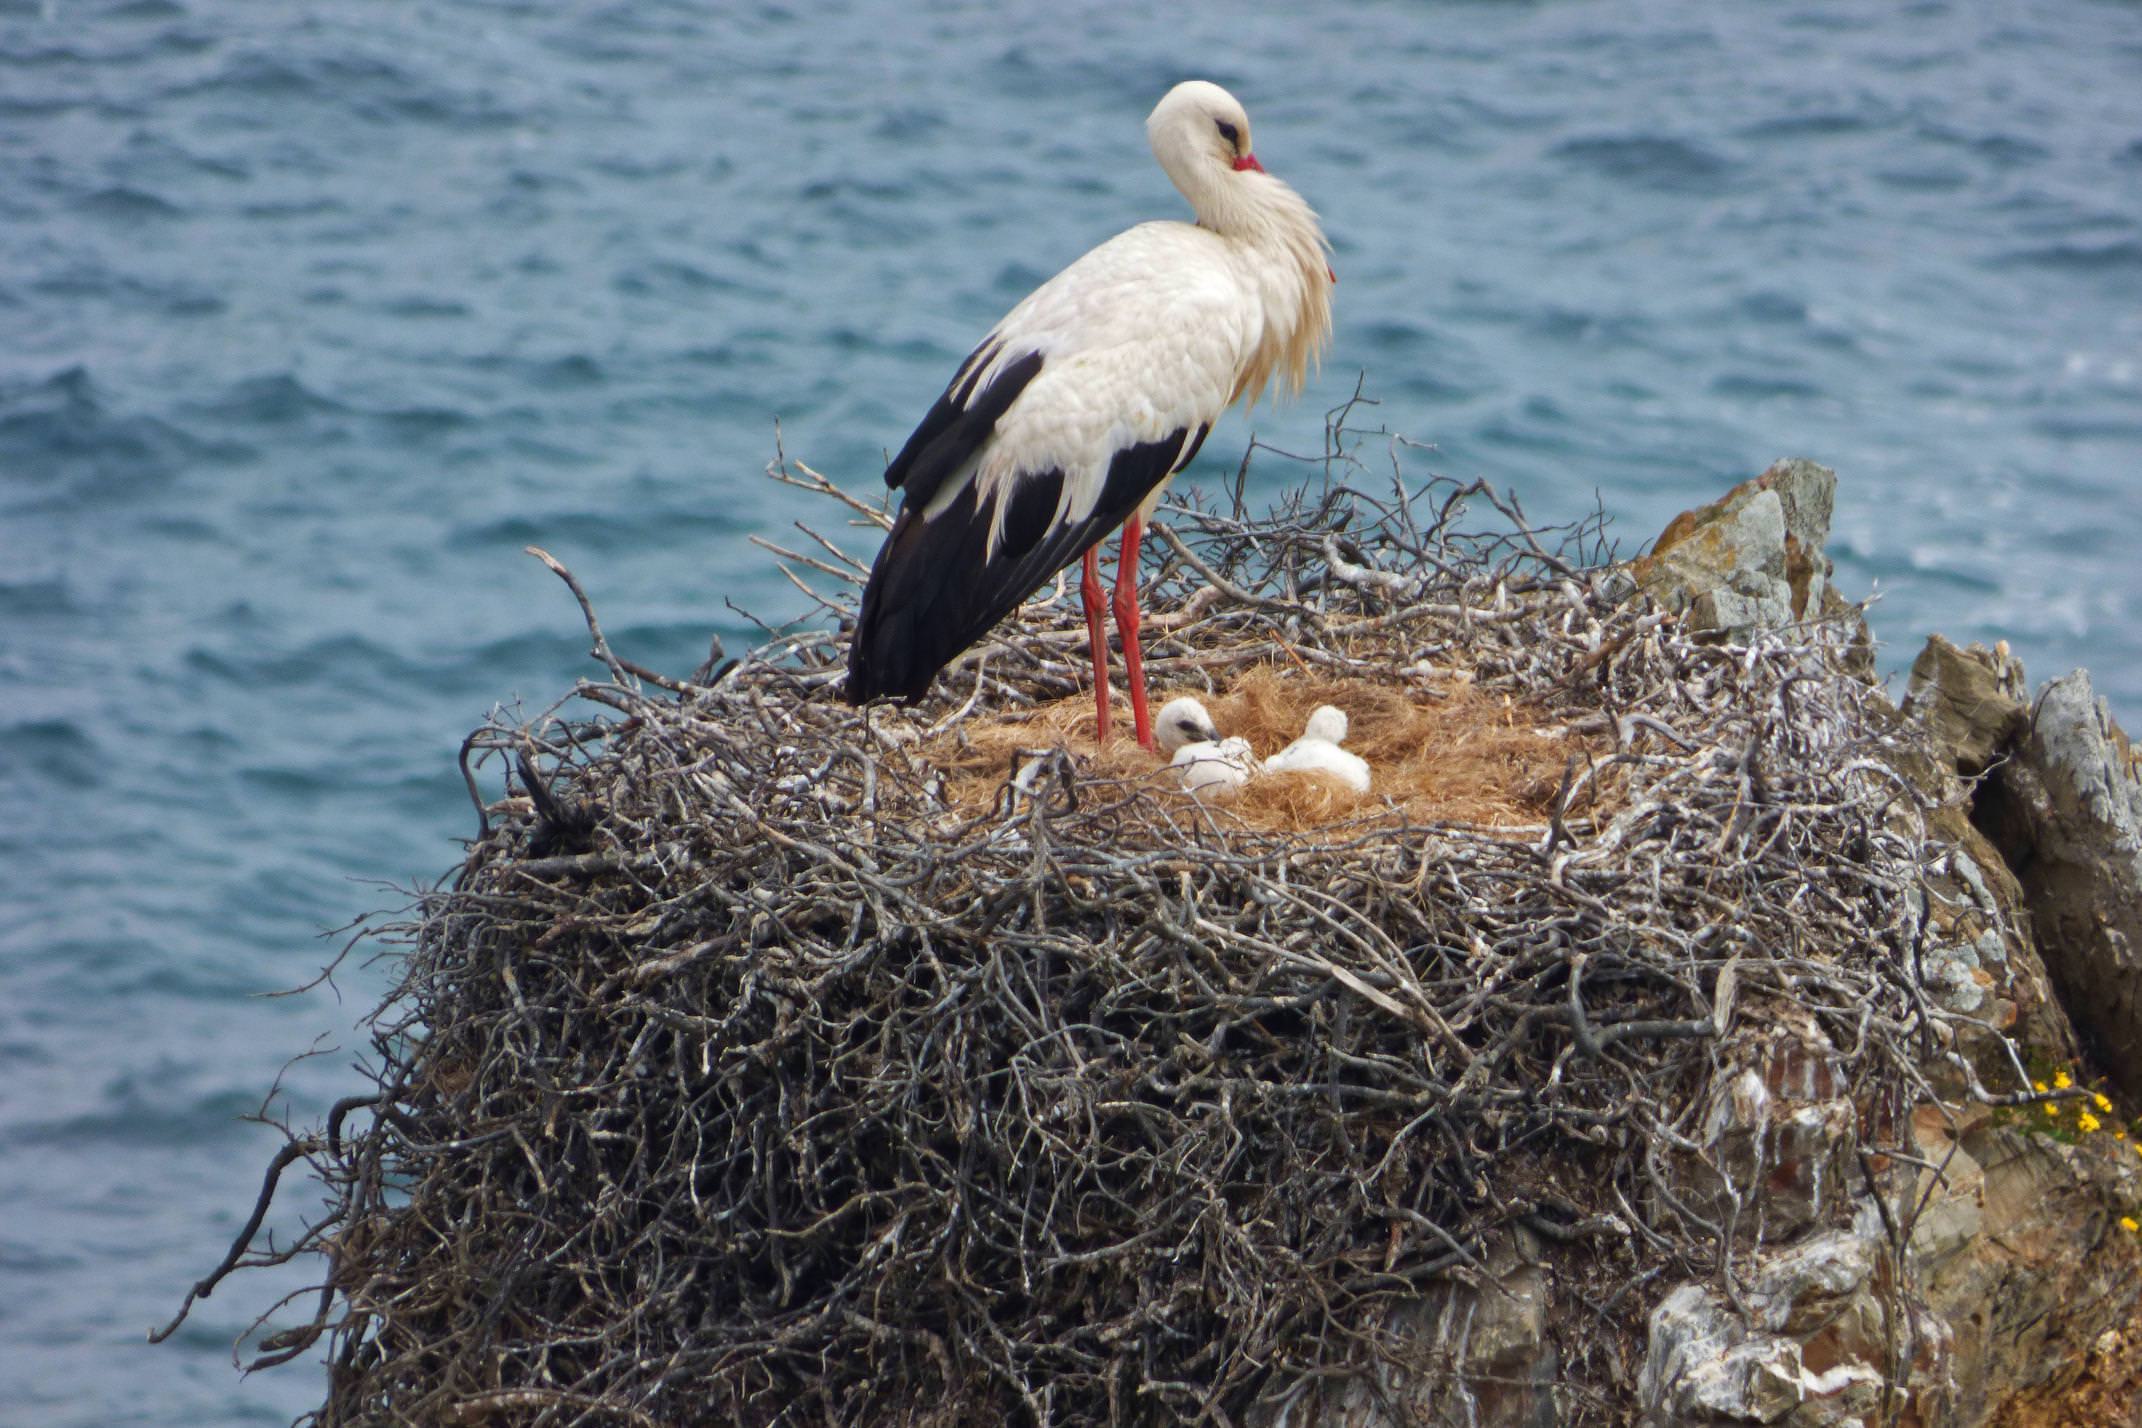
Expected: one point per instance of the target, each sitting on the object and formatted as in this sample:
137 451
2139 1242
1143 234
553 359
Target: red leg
1089 588
1127 626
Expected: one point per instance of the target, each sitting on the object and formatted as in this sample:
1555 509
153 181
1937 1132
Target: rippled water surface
313 314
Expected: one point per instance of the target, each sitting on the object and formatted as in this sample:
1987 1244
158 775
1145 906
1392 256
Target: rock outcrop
1989 1275
2060 800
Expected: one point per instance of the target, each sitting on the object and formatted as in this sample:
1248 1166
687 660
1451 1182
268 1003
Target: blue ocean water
312 315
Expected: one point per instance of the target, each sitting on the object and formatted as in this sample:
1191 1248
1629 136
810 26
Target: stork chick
1318 751
1208 765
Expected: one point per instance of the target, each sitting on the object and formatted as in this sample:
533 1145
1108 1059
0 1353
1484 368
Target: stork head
1327 723
1199 133
1183 721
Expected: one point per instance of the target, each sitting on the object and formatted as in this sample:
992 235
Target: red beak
1248 161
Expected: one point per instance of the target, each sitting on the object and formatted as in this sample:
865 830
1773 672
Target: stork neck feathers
1271 228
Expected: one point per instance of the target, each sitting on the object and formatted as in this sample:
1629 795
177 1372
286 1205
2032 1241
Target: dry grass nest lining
1439 749
746 1073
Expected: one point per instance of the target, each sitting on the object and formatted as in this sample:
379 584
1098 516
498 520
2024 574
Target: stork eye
1230 133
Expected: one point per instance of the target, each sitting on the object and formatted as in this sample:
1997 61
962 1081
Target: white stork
1074 411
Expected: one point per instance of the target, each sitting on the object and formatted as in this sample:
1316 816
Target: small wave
57 428
527 649
846 338
572 372
420 306
2120 256
1465 109
139 1111
361 84
847 186
2004 151
127 205
1824 124
729 356
2087 428
343 661
276 400
1017 278
1924 178
1591 329
311 206
669 278
1764 386
640 166
1666 164
624 529
26 598
422 424
1425 387
57 749
36 1252
37 106
1770 305
160 156
91 281
292 783
1536 426
909 123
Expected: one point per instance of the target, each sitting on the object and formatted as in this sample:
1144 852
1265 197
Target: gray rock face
2066 812
1710 1364
1982 956
1972 701
1750 559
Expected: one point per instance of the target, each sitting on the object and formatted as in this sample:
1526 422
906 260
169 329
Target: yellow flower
2127 1223
2038 1086
2051 1109
2061 1081
2102 1103
2086 1123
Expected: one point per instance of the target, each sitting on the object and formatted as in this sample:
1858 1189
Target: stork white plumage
1073 413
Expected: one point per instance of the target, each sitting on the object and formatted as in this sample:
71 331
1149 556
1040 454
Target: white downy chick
1181 722
1215 770
1209 766
1318 750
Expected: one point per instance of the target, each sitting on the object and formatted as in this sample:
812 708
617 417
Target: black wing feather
960 424
932 593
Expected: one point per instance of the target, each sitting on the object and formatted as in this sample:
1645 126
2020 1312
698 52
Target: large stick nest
772 1061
